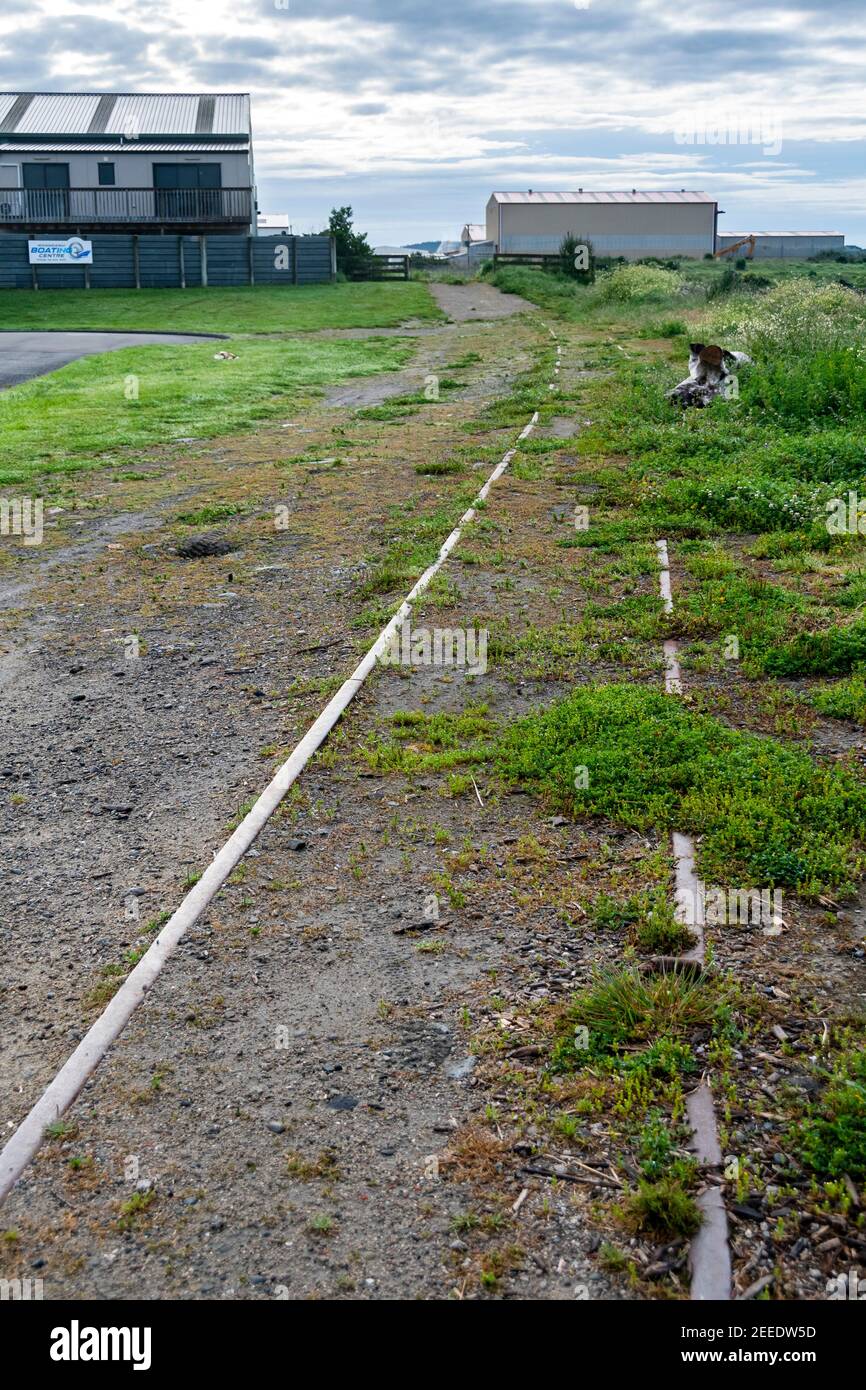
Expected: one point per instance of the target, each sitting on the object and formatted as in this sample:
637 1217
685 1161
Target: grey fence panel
274 259
228 260
15 273
314 260
307 260
287 260
159 262
113 263
60 277
192 261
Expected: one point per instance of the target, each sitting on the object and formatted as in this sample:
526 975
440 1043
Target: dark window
47 191
187 175
46 175
188 192
106 175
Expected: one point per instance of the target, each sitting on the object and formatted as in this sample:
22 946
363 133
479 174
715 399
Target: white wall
780 247
134 169
615 229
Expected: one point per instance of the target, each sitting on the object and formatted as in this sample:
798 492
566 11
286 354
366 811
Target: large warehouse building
631 224
777 245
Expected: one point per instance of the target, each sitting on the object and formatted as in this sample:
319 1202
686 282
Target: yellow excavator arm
748 241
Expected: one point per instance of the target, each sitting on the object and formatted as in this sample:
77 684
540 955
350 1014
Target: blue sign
73 251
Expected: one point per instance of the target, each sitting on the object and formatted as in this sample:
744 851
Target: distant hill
423 245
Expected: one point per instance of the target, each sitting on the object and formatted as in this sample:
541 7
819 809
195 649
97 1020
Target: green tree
354 252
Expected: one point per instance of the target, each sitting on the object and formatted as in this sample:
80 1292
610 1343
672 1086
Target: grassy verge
241 309
80 416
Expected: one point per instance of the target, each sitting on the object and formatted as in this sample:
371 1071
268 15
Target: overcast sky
413 111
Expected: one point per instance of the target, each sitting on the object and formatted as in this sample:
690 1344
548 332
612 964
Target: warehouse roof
144 146
668 195
748 234
113 116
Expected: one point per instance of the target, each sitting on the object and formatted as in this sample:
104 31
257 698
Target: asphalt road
25 355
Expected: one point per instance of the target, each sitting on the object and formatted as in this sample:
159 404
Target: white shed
630 224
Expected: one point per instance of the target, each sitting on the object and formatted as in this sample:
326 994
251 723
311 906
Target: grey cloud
240 76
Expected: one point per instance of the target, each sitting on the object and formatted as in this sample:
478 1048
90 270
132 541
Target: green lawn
80 416
245 309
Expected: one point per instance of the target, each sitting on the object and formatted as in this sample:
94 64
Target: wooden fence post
252 262
203 244
136 261
294 260
181 262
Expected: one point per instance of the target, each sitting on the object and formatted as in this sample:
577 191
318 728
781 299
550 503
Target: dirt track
323 1096
299 1059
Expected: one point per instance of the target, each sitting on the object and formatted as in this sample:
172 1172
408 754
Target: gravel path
285 1112
477 301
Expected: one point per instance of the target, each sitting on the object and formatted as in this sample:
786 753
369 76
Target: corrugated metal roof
16 111
7 101
666 195
147 113
736 236
57 113
127 147
102 114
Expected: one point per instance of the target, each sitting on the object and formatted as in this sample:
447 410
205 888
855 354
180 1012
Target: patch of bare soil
476 301
284 1111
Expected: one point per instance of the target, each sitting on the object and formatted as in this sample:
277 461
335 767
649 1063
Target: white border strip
709 1251
66 1085
665 576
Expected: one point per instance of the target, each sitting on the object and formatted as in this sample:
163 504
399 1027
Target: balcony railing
80 206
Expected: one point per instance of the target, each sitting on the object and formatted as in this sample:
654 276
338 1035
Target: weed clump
832 1137
635 1022
766 813
834 652
629 284
664 1208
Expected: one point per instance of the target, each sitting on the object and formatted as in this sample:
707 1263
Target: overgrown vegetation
767 814
831 1138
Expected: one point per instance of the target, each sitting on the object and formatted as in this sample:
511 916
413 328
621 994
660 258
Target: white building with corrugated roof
785 245
630 224
84 162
